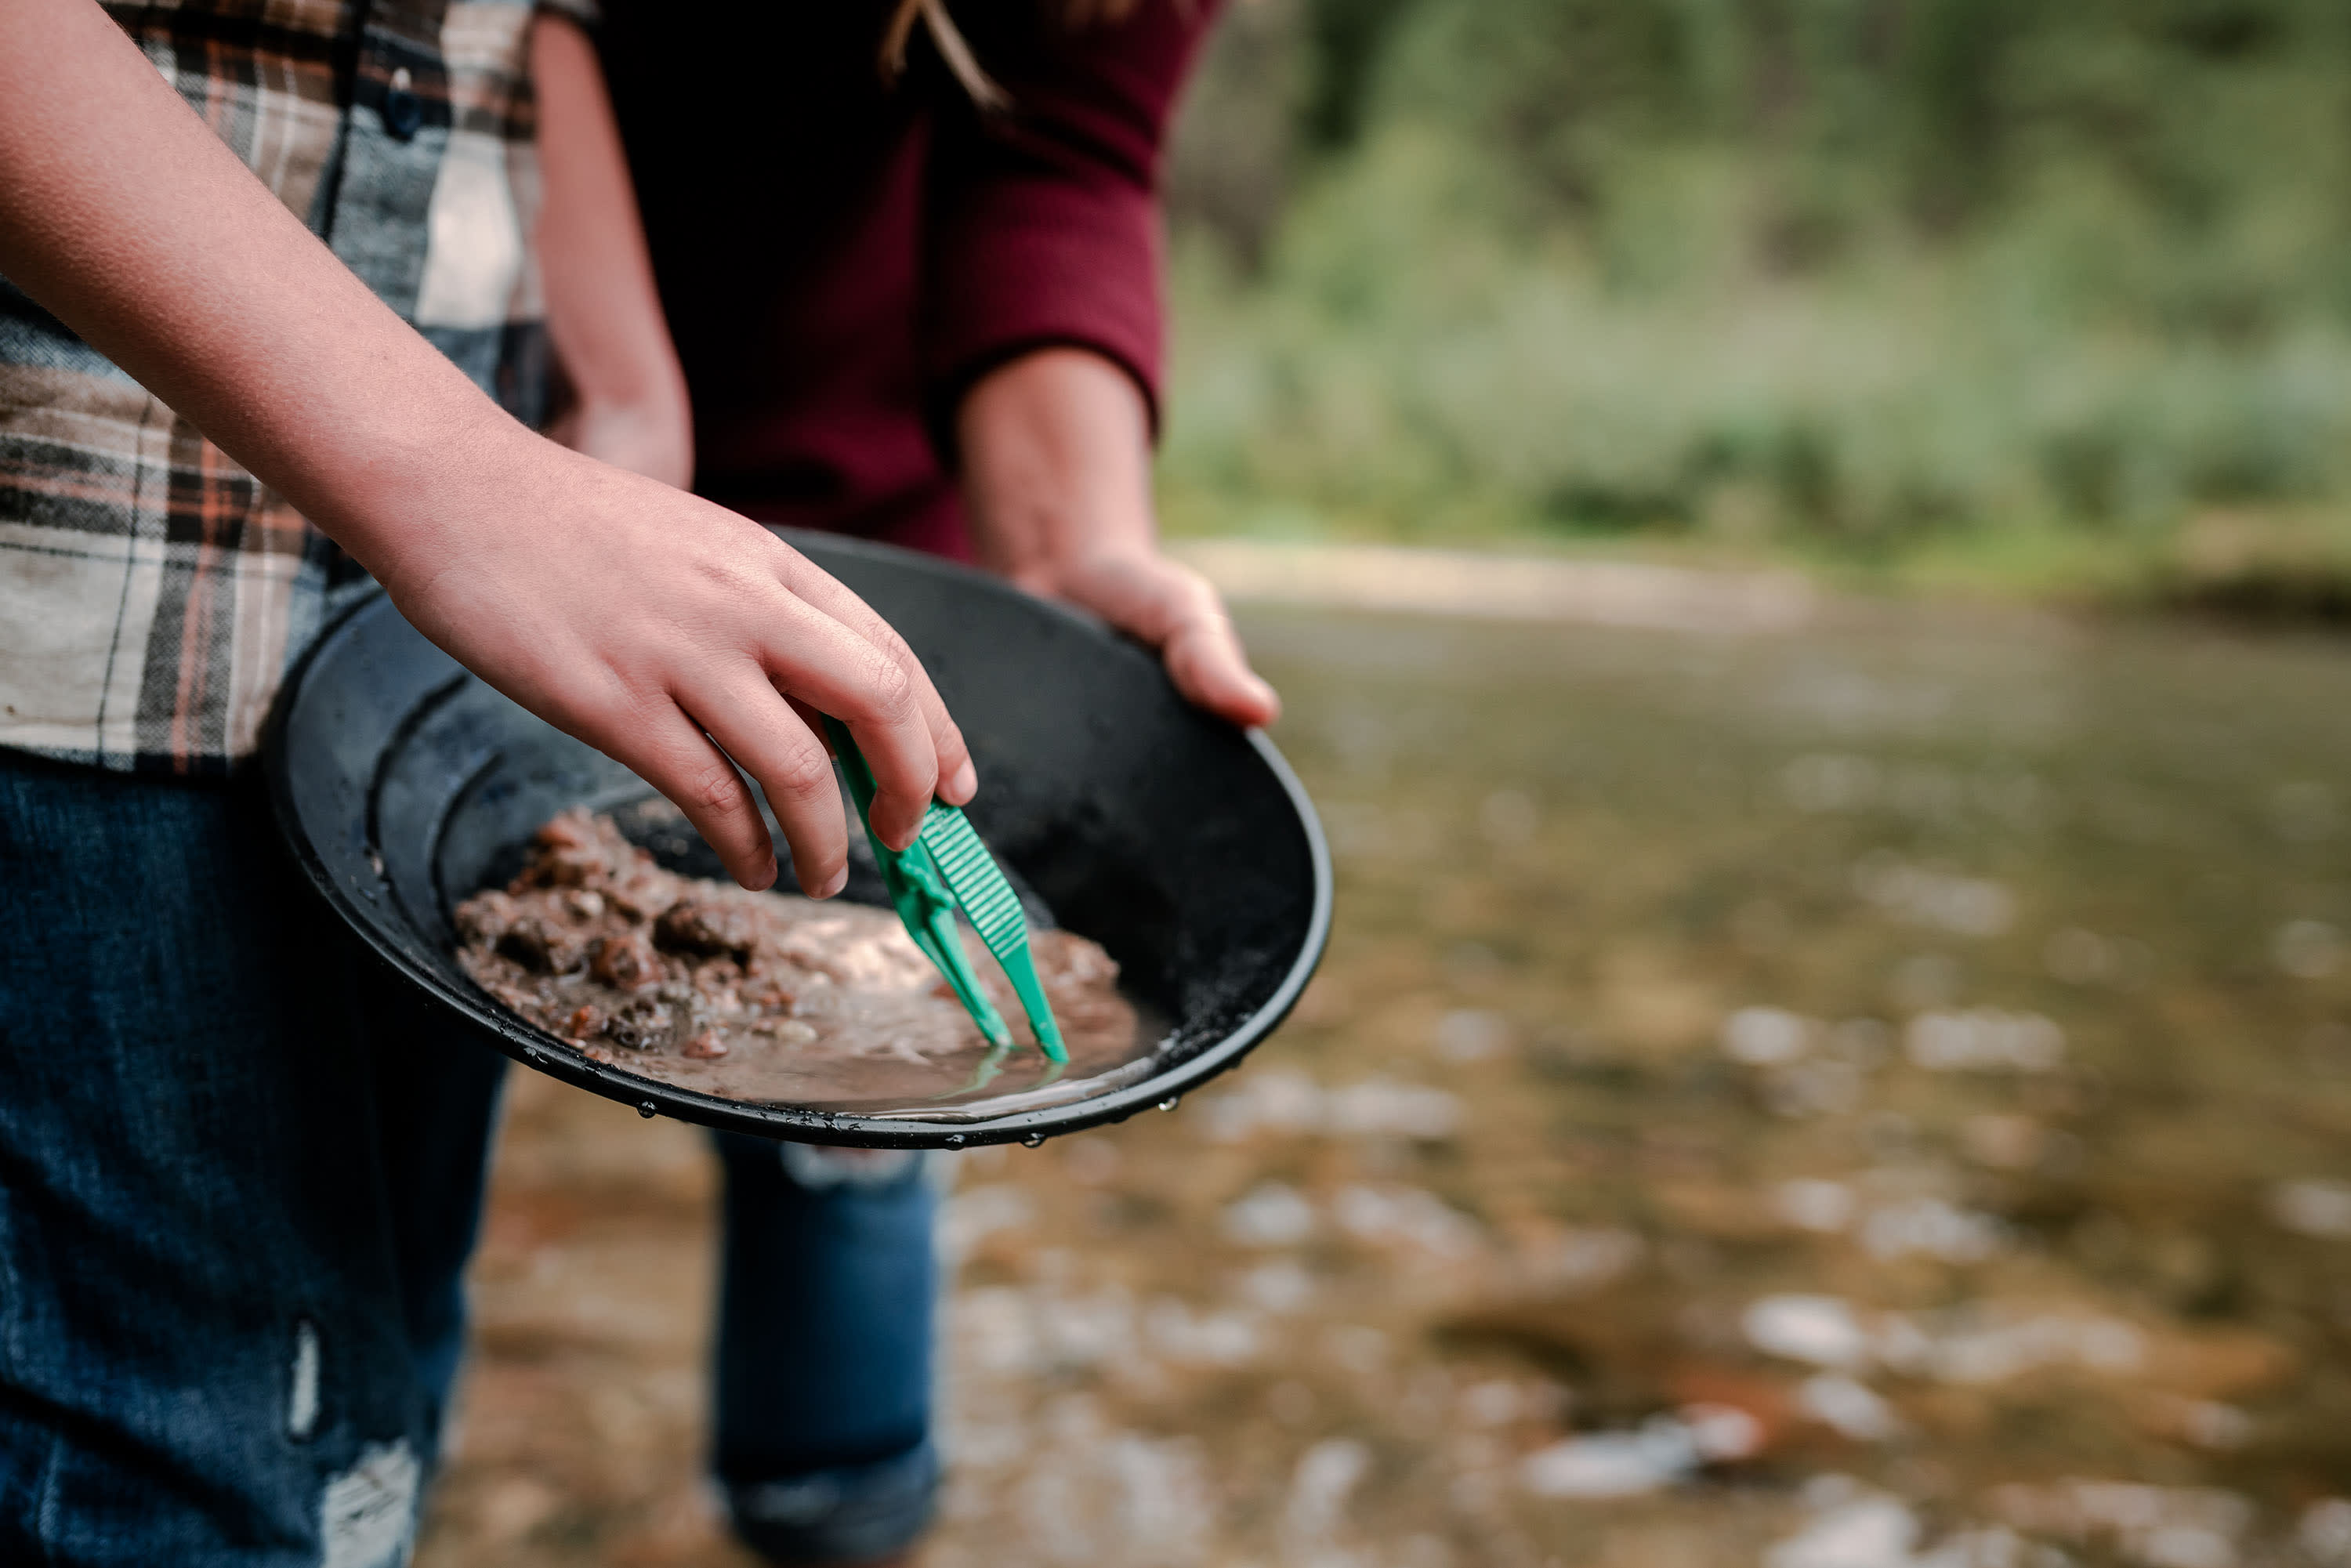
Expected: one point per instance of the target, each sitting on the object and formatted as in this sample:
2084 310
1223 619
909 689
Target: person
907 261
920 306
270 320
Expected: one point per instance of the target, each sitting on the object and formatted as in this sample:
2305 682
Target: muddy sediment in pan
768 998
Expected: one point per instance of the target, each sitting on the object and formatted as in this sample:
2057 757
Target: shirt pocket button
402 110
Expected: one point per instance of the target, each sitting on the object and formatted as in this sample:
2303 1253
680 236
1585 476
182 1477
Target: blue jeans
241 1170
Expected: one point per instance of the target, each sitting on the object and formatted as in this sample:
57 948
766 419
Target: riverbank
2254 567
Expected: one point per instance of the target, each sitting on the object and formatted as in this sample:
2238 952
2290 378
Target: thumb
1173 609
1209 665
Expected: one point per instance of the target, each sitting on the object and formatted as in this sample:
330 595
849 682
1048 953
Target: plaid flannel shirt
152 592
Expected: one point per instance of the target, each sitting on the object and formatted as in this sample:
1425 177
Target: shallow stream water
1876 1094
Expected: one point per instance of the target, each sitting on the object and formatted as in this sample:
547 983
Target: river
1870 1093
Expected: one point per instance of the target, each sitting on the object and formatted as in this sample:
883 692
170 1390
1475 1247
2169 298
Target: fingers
815 660
958 779
760 730
1178 612
763 710
1206 660
677 758
1204 653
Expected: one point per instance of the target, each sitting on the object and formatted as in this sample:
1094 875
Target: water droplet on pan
645 1109
1171 1102
954 1139
1033 1141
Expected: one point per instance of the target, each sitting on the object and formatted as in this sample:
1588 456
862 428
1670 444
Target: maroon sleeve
1043 223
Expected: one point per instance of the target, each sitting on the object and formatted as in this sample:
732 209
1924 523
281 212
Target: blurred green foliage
1847 275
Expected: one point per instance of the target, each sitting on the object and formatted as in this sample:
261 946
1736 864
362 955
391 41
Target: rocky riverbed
1862 1094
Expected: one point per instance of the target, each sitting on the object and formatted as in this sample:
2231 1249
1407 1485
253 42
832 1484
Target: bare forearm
1056 466
125 216
604 312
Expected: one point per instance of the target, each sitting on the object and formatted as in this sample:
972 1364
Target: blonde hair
948 40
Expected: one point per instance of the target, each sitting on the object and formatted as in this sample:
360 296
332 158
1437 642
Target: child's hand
629 613
638 618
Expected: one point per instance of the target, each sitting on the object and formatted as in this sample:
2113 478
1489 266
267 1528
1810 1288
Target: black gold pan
1184 846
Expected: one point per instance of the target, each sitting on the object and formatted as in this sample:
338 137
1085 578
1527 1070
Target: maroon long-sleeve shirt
841 260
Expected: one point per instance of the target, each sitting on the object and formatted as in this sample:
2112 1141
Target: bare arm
628 399
630 615
1057 477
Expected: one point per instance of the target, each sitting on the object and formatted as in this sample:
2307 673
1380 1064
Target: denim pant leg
219 1344
824 1359
437 1093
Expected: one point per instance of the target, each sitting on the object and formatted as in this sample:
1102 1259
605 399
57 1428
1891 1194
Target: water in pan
770 998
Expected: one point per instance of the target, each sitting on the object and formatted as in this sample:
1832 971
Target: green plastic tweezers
946 866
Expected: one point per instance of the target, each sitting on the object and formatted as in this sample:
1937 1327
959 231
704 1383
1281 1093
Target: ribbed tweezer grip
988 900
